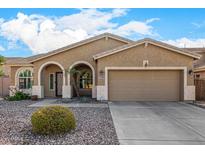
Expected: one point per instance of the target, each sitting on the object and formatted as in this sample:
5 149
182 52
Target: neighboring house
5 81
199 65
115 69
199 73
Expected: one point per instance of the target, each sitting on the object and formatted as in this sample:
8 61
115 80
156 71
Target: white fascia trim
115 38
156 44
48 63
184 69
101 55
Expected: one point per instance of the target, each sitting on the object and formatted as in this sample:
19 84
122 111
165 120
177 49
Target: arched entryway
83 82
51 77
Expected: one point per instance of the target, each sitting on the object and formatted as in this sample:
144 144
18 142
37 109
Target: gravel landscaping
94 126
79 100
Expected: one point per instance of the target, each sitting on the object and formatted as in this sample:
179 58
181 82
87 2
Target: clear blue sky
24 32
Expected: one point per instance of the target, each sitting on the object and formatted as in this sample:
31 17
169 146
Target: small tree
74 76
2 60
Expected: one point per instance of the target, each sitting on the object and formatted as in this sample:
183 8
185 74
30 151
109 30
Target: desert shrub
19 95
53 120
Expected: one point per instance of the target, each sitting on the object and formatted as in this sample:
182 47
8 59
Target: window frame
49 82
89 79
26 78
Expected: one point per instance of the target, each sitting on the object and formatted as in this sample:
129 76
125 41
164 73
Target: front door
59 83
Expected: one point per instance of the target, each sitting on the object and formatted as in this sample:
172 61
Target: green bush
19 95
53 120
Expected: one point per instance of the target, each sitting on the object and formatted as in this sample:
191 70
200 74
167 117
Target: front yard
94 126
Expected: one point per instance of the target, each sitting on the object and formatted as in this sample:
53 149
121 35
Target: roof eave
199 69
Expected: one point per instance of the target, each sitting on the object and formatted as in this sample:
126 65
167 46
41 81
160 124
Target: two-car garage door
144 85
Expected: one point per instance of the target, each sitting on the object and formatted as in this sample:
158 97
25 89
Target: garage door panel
144 85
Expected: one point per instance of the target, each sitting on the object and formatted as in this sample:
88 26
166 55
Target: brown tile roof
196 50
16 60
21 60
31 58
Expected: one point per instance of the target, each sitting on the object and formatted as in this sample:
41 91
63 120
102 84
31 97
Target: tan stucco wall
45 79
81 53
7 70
133 57
13 73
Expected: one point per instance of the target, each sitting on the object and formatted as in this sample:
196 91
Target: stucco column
38 90
189 93
189 90
66 89
101 92
94 91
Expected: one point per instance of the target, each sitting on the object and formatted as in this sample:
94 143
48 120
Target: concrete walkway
158 123
51 102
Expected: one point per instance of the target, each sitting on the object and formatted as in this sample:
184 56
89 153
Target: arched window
25 79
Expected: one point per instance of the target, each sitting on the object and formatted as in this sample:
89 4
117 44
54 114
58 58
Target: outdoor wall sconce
145 63
190 72
101 73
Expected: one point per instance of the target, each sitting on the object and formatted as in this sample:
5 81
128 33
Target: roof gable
77 44
147 41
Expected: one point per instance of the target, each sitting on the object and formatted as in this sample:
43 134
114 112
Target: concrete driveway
158 123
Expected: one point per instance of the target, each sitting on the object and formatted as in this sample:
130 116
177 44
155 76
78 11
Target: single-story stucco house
199 65
114 68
